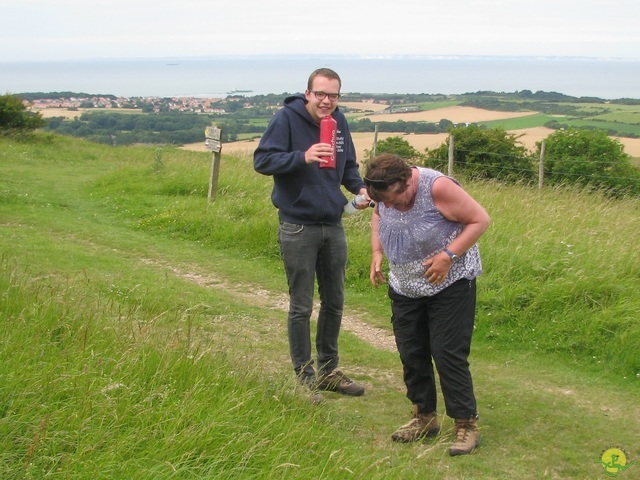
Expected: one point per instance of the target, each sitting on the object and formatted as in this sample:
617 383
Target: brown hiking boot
467 437
421 425
308 385
336 381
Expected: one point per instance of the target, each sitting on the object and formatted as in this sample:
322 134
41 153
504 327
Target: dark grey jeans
438 330
311 252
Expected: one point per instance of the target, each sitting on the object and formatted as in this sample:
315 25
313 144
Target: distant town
147 104
233 102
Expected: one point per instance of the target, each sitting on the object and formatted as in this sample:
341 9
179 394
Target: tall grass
561 267
92 387
136 340
561 274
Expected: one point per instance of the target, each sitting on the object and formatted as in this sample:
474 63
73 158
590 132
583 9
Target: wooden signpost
213 144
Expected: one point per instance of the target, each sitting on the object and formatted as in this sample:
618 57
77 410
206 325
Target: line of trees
180 128
400 126
161 128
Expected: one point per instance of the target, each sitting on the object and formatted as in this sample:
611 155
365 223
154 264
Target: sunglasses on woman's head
380 184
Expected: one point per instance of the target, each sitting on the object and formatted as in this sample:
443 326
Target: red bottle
328 130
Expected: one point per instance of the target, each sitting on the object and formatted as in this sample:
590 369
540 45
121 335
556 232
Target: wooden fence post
213 144
450 170
375 141
541 166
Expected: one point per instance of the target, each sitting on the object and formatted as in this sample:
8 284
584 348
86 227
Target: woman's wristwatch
452 255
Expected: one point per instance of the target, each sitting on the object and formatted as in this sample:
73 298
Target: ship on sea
234 91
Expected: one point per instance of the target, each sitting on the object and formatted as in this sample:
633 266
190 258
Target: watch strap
452 255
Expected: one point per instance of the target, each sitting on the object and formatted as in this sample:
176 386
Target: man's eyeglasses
380 184
322 95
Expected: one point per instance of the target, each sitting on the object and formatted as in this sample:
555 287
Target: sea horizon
217 75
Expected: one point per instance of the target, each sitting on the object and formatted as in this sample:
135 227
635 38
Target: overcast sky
80 29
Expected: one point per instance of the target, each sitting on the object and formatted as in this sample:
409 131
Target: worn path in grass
528 402
374 336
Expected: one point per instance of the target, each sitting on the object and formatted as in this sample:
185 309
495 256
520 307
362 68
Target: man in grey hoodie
312 241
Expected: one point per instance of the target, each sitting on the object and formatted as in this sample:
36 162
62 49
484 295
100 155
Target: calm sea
215 77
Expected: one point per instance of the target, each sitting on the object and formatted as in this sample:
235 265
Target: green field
530 121
621 128
144 330
436 105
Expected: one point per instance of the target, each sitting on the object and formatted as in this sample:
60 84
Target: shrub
484 154
589 158
14 117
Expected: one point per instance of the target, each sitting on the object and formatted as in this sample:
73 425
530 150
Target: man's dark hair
323 72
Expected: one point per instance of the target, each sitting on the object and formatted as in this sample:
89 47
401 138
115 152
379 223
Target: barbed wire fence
540 167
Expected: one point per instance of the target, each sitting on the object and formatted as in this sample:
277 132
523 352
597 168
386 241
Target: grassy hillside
144 330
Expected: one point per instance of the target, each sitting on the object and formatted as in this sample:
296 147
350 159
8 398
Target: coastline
607 78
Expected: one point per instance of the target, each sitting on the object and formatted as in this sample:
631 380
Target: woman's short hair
384 171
